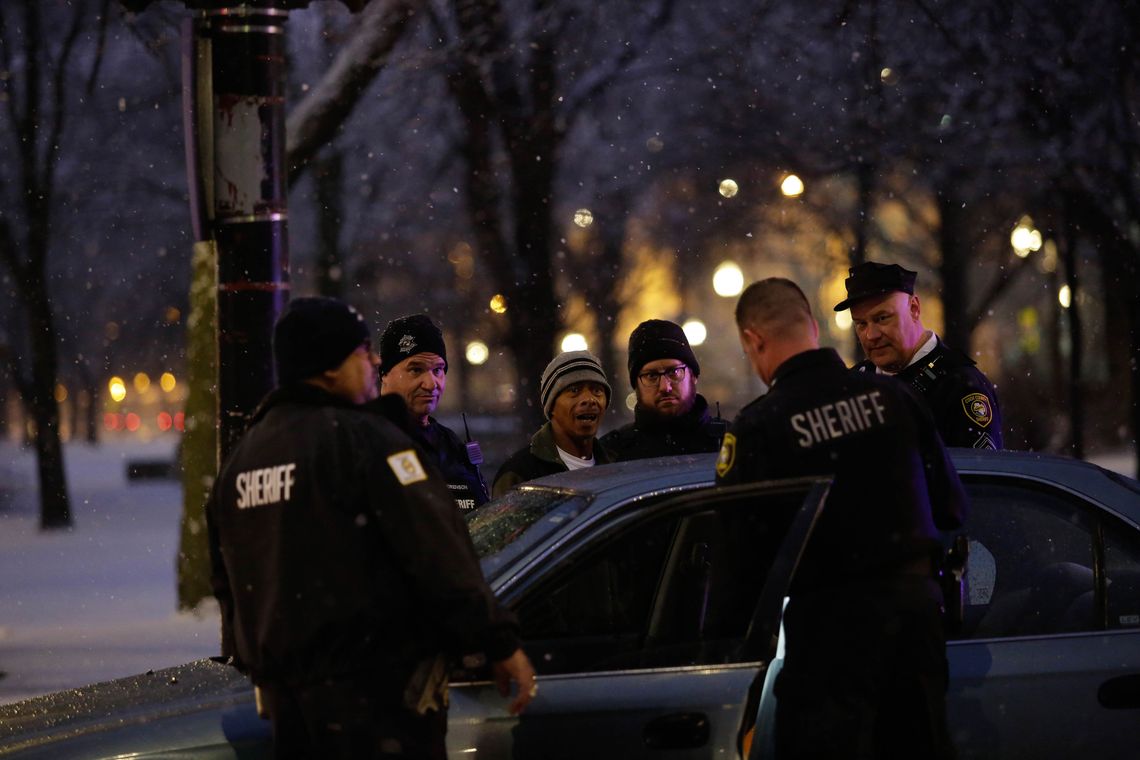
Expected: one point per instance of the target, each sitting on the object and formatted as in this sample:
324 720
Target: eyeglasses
674 374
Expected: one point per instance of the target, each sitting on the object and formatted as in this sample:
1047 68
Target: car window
676 589
1030 569
1122 575
517 521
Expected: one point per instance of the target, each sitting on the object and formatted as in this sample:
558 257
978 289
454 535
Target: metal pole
249 203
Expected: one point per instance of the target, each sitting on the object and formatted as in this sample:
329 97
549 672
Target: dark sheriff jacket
961 398
654 435
336 550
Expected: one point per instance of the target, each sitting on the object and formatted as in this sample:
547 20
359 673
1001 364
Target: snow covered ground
98 601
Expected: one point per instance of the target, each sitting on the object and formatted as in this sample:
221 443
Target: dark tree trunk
55 507
1076 342
956 328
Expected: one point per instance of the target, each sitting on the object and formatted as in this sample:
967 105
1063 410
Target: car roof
613 483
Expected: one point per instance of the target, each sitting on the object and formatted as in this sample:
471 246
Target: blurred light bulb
695 331
477 352
583 217
574 342
499 303
117 388
792 186
728 280
729 188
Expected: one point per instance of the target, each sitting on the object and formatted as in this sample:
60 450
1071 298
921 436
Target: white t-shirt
572 462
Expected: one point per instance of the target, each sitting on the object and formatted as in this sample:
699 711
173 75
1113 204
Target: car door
1048 662
648 630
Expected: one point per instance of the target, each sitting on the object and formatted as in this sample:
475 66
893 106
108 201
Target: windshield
512 524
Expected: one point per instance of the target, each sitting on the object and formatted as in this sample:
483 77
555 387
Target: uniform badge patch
727 457
406 344
978 409
407 467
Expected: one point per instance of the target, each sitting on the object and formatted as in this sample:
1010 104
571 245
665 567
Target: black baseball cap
874 279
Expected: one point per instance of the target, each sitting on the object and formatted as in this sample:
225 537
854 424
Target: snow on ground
96 601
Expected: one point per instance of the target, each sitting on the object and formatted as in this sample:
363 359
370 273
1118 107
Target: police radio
474 455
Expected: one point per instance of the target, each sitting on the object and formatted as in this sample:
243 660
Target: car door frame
478 718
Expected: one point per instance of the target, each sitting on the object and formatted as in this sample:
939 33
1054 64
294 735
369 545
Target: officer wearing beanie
574 395
413 367
887 316
345 576
670 416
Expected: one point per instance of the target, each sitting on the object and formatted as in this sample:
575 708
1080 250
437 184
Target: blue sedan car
650 604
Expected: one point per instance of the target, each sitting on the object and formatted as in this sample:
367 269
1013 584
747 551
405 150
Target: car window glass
1122 573
678 589
513 523
1030 565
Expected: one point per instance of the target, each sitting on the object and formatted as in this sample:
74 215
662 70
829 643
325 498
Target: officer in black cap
413 367
670 416
347 581
888 322
864 673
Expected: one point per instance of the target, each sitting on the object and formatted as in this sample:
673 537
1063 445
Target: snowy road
97 601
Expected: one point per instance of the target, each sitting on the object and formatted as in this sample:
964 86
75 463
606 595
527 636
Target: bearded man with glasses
670 416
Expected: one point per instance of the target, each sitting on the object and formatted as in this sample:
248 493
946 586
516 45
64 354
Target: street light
792 186
695 331
574 342
728 280
477 352
1025 238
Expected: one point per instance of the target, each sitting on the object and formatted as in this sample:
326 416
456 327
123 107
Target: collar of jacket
299 393
543 447
650 422
808 361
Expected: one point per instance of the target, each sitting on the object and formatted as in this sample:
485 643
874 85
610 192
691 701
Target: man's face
419 380
889 328
355 378
666 387
578 410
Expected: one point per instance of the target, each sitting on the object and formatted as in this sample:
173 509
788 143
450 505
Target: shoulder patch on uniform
978 408
727 457
407 467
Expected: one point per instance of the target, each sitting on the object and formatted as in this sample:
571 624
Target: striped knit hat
564 370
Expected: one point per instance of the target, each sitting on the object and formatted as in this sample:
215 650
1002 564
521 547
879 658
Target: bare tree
38 46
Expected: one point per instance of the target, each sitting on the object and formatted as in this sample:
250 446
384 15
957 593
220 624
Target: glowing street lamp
1065 297
728 280
695 331
1025 238
477 352
117 388
574 342
792 186
728 188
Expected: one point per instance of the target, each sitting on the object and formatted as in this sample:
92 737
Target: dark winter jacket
895 486
336 549
654 435
441 445
538 459
961 398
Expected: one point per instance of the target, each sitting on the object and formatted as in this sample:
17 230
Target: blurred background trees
530 173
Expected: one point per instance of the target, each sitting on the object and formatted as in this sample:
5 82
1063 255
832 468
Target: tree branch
313 121
604 73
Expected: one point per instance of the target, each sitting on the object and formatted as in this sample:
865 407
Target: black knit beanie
659 339
405 336
315 334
